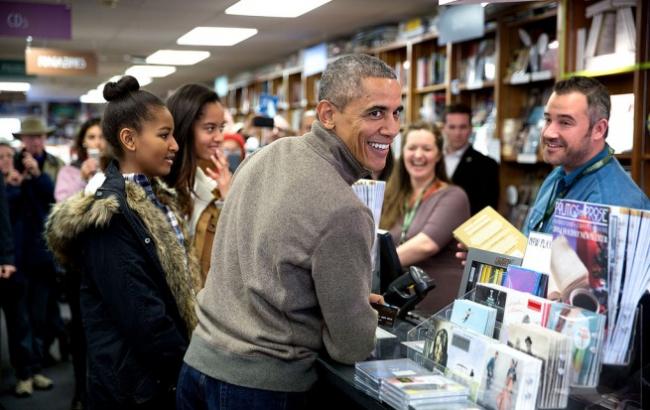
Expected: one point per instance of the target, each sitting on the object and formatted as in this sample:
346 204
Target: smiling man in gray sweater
290 270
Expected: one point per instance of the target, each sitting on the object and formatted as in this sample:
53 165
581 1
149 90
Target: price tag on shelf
527 158
541 75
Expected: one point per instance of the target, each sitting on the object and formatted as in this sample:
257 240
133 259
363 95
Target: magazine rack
425 332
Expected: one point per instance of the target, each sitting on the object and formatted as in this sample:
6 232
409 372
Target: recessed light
143 80
151 71
216 36
15 86
93 96
275 8
177 57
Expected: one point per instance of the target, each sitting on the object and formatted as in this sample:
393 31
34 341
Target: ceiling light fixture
113 79
92 97
177 57
151 71
216 36
17 86
143 80
276 8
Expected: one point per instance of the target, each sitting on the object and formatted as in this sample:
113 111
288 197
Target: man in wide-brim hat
33 134
30 202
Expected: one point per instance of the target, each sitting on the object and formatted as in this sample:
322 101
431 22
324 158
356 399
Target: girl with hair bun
137 297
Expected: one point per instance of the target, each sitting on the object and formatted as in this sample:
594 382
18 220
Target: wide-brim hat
33 126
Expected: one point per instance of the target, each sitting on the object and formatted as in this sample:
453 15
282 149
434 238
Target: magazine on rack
600 261
579 254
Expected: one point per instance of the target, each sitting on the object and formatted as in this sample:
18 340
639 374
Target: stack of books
421 392
369 375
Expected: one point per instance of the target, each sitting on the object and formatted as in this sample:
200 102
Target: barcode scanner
408 290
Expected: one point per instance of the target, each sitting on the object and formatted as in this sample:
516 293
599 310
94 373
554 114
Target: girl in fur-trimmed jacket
137 293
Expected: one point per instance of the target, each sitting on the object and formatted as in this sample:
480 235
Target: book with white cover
465 360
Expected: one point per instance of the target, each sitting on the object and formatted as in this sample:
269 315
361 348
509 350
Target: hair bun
120 89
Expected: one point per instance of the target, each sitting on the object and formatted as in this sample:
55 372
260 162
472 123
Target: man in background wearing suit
476 173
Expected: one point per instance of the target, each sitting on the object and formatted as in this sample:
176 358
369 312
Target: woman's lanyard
550 206
409 212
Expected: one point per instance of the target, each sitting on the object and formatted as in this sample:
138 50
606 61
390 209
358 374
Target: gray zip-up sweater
290 270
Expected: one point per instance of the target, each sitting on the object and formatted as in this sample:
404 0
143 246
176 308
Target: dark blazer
478 175
135 334
6 240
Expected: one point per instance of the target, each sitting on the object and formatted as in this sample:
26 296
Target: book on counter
419 392
369 375
489 231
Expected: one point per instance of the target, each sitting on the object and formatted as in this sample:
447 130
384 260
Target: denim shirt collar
569 178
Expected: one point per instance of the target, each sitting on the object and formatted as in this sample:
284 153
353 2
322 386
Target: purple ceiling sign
35 19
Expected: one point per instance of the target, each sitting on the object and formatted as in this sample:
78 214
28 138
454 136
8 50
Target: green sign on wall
12 68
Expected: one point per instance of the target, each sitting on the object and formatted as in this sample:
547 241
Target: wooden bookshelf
421 95
628 78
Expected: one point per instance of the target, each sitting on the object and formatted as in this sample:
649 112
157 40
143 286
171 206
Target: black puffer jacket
136 292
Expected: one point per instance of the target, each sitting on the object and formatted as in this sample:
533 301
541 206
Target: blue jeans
197 391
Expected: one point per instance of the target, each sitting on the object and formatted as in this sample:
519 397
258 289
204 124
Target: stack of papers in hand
368 375
371 193
421 392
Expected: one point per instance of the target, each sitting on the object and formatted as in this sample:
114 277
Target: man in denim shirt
573 139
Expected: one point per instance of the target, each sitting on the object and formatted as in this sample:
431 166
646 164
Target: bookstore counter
336 385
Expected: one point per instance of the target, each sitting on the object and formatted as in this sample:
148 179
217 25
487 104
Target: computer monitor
390 267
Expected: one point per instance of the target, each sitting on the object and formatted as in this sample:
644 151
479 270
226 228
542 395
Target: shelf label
541 75
474 85
519 78
527 158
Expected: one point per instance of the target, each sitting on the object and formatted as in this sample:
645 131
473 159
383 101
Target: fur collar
82 212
